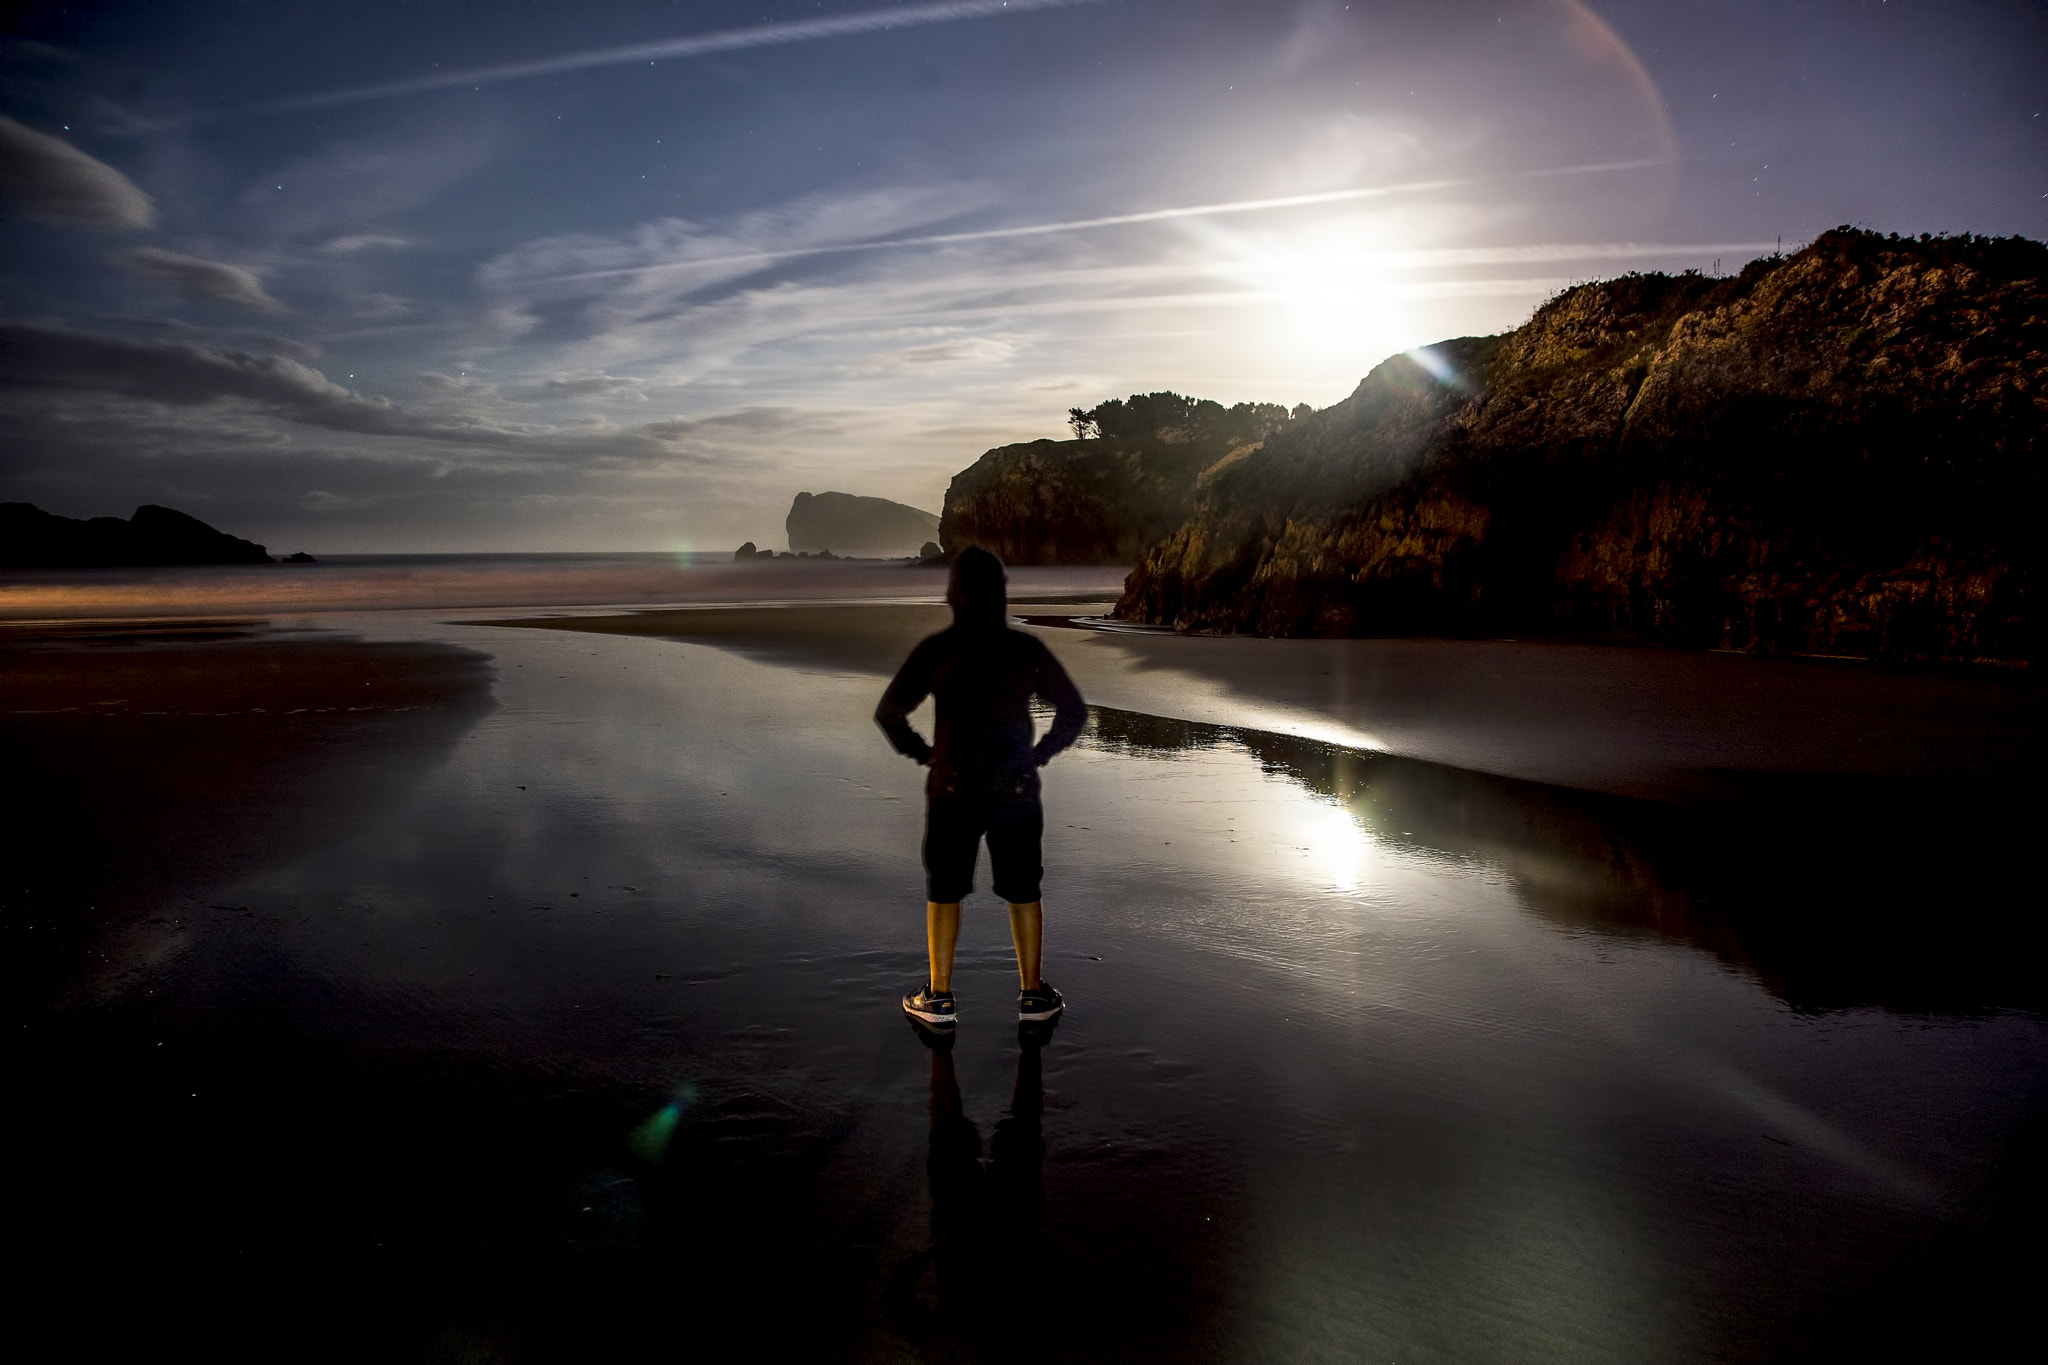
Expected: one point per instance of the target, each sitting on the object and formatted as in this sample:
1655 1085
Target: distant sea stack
1127 481
31 538
1836 452
847 524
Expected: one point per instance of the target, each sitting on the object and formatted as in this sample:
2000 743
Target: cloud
681 333
32 50
750 254
946 355
378 306
588 386
671 49
170 326
1349 147
698 255
353 242
455 385
339 194
53 182
787 422
183 374
204 279
980 315
291 346
59 362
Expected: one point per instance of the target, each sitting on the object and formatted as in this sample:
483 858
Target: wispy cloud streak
668 49
1289 201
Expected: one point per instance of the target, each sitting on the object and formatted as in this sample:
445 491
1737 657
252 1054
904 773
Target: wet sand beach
1661 724
540 1005
148 760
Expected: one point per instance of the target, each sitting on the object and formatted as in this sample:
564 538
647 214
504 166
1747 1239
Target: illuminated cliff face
1106 498
1070 502
1831 453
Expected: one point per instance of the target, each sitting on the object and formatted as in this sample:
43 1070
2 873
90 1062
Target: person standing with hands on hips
983 781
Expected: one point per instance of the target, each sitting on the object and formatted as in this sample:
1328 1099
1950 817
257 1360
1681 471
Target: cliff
1834 452
1127 480
31 538
847 524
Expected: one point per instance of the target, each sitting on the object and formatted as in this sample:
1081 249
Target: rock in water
850 525
33 538
1835 452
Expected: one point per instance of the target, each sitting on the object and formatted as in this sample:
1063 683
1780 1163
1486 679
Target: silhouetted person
984 774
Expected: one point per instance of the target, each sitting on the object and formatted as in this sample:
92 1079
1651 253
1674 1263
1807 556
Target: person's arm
905 693
1070 713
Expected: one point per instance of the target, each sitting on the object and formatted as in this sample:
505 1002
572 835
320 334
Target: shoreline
507 582
164 755
1645 722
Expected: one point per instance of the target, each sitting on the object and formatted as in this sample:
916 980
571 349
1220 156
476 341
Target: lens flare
1438 365
651 1139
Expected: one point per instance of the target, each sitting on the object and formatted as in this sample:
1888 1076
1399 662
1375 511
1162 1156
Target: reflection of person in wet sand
984 774
986 1217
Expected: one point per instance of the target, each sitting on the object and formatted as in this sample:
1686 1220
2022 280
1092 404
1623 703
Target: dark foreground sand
146 758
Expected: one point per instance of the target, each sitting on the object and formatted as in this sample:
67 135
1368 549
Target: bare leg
1027 930
941 933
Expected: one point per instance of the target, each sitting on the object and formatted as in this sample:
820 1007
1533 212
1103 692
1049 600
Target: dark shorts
956 821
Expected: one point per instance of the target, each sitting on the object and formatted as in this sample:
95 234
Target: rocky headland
1126 482
31 538
1833 452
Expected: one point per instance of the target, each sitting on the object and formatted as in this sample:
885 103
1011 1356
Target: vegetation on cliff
1834 452
1126 481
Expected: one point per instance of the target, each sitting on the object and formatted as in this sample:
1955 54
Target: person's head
976 588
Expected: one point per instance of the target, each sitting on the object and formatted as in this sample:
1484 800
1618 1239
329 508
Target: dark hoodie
983 675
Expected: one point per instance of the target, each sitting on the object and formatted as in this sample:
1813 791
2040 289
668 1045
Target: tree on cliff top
1176 419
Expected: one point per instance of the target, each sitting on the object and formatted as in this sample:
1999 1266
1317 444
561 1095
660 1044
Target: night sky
361 276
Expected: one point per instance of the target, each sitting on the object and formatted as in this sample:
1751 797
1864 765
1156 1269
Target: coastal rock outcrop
848 524
1834 452
1126 481
31 538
